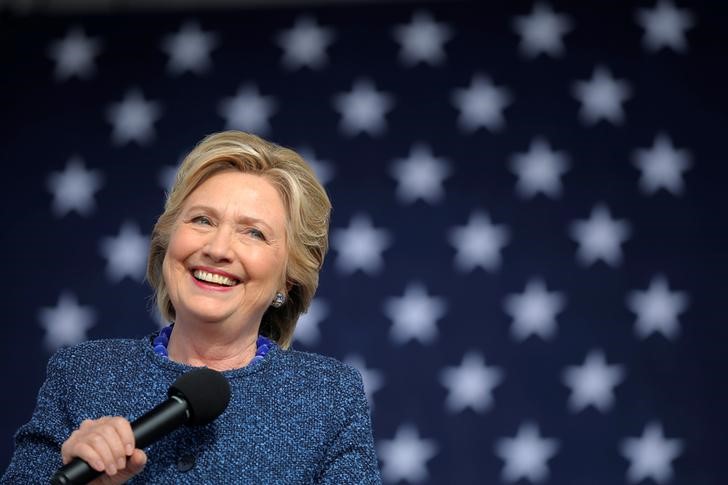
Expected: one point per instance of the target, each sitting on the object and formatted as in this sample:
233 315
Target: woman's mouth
213 278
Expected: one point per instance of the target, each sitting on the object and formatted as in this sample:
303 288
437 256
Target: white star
73 189
422 40
404 457
324 170
481 105
600 237
363 108
307 329
657 309
420 176
133 118
539 170
650 456
601 98
542 31
305 44
662 166
534 311
248 110
66 323
373 380
189 49
414 315
360 246
526 455
126 254
478 243
74 55
471 384
665 26
593 383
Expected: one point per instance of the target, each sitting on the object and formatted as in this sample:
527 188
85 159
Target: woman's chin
209 317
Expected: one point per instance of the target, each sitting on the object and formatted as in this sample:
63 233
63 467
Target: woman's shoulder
97 346
301 358
308 364
94 351
315 381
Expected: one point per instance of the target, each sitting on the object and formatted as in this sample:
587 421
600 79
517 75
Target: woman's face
227 251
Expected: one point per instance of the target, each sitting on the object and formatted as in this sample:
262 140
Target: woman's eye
256 233
201 220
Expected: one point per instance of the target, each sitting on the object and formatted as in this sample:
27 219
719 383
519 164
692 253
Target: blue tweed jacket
293 418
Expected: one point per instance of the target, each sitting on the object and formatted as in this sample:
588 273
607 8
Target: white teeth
213 278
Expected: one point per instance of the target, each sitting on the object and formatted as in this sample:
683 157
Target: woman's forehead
239 194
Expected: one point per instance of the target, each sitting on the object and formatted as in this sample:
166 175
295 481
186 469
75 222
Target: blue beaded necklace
160 342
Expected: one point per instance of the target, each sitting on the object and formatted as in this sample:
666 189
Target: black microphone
195 398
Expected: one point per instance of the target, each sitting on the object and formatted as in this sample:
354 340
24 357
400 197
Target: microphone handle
164 418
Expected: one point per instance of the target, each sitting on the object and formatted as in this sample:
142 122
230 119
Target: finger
99 440
134 465
68 446
115 441
136 462
123 428
88 453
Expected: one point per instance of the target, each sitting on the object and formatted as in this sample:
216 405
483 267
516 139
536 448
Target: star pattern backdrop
528 244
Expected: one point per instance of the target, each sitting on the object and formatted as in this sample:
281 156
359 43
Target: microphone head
206 391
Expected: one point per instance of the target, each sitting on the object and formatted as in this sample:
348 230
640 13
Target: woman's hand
107 445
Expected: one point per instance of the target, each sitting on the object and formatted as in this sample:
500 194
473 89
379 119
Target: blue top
293 417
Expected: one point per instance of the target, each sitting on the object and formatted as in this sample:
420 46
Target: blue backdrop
528 258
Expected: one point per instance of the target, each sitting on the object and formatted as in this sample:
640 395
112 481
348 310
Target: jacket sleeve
38 443
351 458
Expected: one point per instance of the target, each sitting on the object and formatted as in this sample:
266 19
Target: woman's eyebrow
240 220
254 220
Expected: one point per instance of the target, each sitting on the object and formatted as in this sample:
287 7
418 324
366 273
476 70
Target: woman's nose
218 246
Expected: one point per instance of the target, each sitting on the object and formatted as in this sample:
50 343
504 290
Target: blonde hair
307 222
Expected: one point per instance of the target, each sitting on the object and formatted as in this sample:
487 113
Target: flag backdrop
528 244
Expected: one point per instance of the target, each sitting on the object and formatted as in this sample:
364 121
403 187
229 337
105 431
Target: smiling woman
224 264
291 186
234 260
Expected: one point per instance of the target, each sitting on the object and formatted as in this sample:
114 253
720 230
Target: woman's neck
211 345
